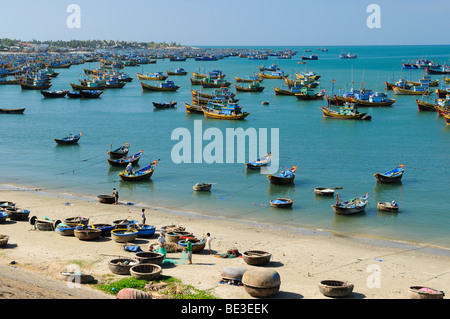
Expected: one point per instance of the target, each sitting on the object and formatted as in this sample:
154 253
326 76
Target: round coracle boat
175 237
146 271
335 288
256 257
281 202
261 282
17 214
106 199
76 221
172 228
105 228
87 233
197 244
121 266
124 235
421 292
150 258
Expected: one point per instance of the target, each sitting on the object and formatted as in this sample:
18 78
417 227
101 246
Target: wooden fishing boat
308 94
224 93
251 79
285 177
196 82
273 75
352 206
253 87
44 223
425 106
124 161
12 111
65 230
176 236
214 83
124 235
4 240
311 57
446 118
105 228
388 206
224 112
157 76
415 90
147 272
280 91
202 187
310 77
442 93
335 288
163 86
17 214
87 233
89 86
37 86
178 71
120 152
281 202
146 230
393 176
149 257
90 94
323 191
260 162
348 111
164 105
71 139
121 266
425 79
55 94
256 257
7 204
139 175
375 100
8 82
193 108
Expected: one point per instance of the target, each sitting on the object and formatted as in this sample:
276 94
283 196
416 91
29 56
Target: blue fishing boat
285 177
260 162
392 176
124 161
71 139
352 206
347 55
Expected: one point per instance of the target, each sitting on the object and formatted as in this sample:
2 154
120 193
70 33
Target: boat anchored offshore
260 162
285 177
392 176
348 111
139 175
71 139
352 206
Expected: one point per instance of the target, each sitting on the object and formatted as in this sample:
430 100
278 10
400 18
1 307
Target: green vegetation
166 286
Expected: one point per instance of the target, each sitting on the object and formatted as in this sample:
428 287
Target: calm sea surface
329 153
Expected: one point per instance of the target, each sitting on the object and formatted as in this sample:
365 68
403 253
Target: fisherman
188 249
115 194
143 216
208 242
130 168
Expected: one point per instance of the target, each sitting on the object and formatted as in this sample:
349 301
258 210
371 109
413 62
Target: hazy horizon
232 23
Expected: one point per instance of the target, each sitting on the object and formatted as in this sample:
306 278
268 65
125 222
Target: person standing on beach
208 242
189 250
143 216
115 193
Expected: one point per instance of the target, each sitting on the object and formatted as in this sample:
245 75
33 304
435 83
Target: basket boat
202 187
17 214
281 202
87 233
421 292
197 244
335 288
175 237
65 230
150 258
256 257
146 271
172 228
323 191
76 221
44 223
123 235
106 199
121 266
105 228
261 282
4 240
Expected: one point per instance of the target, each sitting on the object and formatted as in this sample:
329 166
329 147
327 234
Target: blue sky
231 22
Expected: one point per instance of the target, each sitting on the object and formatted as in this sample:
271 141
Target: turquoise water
330 153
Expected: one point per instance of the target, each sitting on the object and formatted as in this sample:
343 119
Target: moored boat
415 90
202 187
157 76
348 111
193 108
285 177
13 111
224 112
163 86
388 206
392 176
425 106
281 202
260 162
253 87
120 152
60 93
144 173
164 105
71 139
124 161
323 191
352 206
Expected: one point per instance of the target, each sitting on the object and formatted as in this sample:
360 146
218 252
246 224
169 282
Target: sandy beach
378 269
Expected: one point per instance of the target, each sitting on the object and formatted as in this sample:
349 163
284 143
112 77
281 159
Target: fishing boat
260 162
120 151
415 90
279 74
290 91
308 94
250 79
202 187
193 108
166 86
164 105
425 106
87 233
88 86
13 111
376 99
17 213
124 161
90 94
442 93
139 175
222 93
71 139
35 86
444 70
285 177
323 191
348 111
74 95
311 57
178 71
443 105
388 206
124 235
424 80
393 176
224 111
213 74
214 83
55 94
196 82
157 76
281 202
348 55
352 206
4 81
446 117
252 87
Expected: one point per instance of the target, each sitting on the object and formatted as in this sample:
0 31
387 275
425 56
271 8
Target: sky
230 22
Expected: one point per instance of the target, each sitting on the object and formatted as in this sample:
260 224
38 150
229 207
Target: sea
328 153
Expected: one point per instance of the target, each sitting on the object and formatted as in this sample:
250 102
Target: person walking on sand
208 242
115 193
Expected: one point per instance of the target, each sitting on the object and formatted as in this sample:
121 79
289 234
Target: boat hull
327 113
211 115
277 180
425 106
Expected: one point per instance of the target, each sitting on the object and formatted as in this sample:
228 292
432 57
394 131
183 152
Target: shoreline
302 258
375 240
